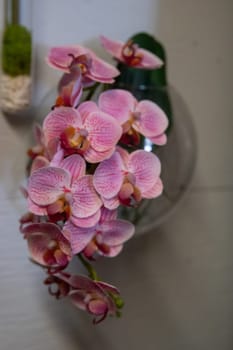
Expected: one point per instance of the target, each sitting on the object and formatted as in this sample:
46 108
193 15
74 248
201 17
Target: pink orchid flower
47 245
105 238
67 58
144 117
130 54
65 189
96 297
87 131
127 178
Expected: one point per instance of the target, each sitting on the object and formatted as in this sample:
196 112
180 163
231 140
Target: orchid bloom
105 238
92 68
130 54
144 117
98 298
87 131
47 245
127 178
65 189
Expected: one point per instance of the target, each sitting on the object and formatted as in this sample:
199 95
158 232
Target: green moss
16 50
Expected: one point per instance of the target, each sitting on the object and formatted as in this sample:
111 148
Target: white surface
177 282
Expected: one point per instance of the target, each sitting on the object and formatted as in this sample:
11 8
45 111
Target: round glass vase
16 72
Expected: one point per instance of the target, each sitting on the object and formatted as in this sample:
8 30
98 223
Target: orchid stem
90 269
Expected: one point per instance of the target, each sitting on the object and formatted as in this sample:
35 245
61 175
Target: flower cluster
86 164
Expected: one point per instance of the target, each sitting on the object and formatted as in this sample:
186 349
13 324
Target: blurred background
177 279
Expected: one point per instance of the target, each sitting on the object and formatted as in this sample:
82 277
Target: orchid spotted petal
78 237
146 168
47 184
108 176
85 200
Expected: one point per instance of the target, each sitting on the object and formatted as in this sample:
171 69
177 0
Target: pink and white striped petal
118 103
78 237
104 131
102 71
146 168
155 191
46 185
75 165
36 209
85 201
93 156
112 203
58 120
87 107
89 221
108 176
152 121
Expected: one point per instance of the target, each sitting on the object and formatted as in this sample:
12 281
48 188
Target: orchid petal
108 176
115 232
112 46
146 168
60 57
102 71
77 298
104 131
97 307
112 203
78 237
155 191
46 185
58 120
87 107
36 209
114 251
159 140
39 162
85 200
89 221
75 165
93 156
118 103
108 288
152 121
149 60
